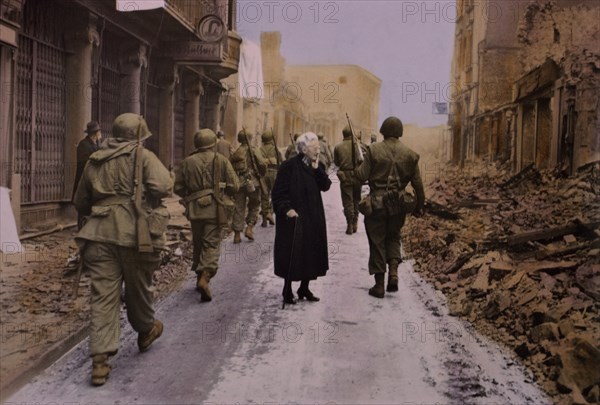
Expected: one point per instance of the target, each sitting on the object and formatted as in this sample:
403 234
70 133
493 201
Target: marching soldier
347 161
206 181
116 246
325 154
223 145
250 166
291 149
273 157
389 166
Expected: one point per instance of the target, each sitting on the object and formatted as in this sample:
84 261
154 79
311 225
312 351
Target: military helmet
266 136
126 126
320 136
244 136
391 128
220 134
346 131
205 139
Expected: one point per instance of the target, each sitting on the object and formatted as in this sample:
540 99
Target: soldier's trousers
207 245
350 199
109 265
383 232
244 198
266 207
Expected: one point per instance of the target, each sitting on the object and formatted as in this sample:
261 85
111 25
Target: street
349 348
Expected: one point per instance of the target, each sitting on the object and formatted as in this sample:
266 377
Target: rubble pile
519 257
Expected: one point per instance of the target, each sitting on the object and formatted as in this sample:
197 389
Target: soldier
291 149
389 166
111 251
224 146
85 148
273 157
250 166
325 154
206 181
349 188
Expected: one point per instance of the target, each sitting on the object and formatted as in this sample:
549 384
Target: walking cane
291 258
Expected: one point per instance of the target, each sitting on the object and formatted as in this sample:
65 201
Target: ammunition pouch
158 220
398 202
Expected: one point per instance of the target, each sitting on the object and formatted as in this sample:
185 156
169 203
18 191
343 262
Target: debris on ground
519 257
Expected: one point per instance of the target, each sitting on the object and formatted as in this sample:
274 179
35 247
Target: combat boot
264 222
205 294
249 234
100 369
393 276
355 226
378 289
271 219
349 229
145 340
198 278
237 238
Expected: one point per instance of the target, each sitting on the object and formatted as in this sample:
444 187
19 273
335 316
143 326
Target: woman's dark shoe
289 299
308 295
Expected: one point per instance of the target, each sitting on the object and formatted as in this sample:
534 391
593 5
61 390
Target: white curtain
250 73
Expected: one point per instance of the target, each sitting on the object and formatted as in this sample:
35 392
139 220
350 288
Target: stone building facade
64 63
525 83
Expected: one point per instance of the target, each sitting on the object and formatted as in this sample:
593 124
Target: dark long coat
85 148
299 187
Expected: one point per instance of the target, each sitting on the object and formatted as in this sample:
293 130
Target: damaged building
65 63
526 77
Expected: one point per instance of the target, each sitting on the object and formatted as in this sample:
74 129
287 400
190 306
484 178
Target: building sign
194 51
211 28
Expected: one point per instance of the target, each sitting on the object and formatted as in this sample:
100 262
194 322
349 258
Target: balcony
190 12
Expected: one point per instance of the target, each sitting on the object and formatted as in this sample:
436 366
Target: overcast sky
407 44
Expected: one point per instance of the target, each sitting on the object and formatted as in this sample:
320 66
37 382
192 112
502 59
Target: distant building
308 98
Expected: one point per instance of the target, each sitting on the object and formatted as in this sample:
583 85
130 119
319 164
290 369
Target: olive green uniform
109 238
195 181
273 158
349 188
383 230
247 199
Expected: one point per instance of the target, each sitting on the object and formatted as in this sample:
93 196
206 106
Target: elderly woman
301 232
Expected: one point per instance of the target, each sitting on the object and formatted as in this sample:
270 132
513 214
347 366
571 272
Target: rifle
218 193
354 145
277 155
144 240
261 183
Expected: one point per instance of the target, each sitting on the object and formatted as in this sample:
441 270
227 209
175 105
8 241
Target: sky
407 44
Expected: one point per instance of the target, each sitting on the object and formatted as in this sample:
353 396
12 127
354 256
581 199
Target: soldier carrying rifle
250 167
121 191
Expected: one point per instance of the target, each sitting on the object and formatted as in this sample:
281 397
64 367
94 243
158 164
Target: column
193 91
80 42
168 79
133 59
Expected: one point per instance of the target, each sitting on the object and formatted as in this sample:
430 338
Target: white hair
304 139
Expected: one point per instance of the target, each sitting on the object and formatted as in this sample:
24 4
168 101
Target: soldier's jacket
243 165
325 154
379 158
224 148
195 175
106 194
290 152
270 152
342 155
